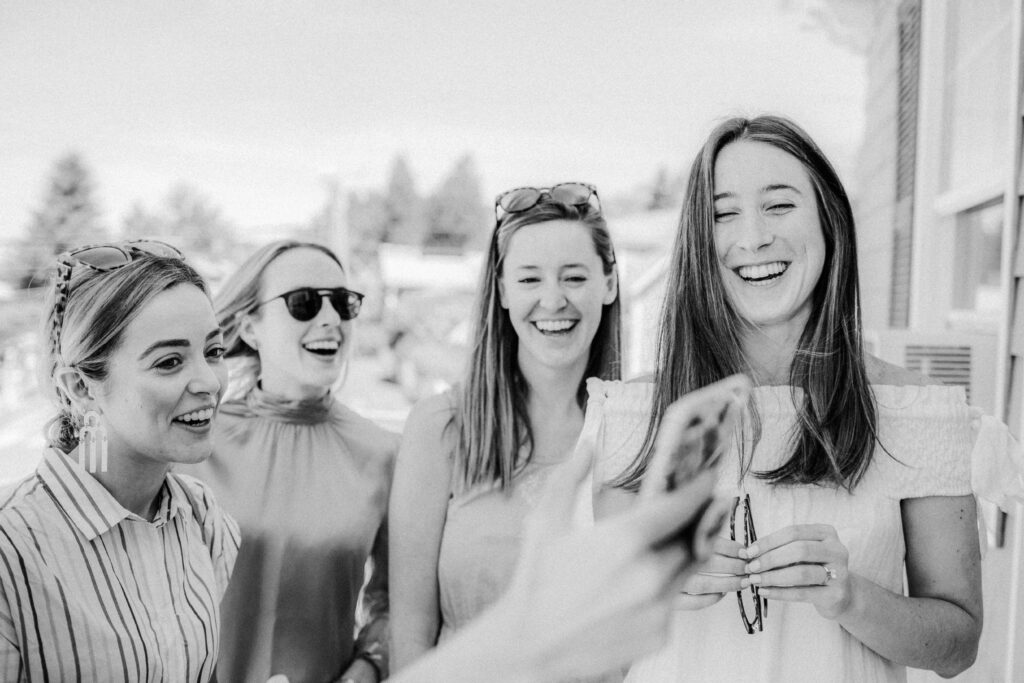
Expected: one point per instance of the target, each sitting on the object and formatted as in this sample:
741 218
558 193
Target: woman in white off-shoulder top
856 547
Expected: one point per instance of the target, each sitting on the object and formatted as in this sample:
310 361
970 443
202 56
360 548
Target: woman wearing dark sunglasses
306 477
856 473
112 567
473 459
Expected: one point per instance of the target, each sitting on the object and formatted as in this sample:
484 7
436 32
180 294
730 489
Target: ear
612 281
76 387
248 332
501 294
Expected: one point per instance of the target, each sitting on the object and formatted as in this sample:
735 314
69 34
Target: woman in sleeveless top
473 460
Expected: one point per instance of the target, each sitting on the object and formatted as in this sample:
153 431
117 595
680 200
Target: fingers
788 577
684 601
797 552
655 520
789 534
701 583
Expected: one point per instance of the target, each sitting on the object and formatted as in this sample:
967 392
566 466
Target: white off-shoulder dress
929 433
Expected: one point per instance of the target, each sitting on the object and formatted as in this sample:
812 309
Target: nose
327 315
205 380
552 296
753 232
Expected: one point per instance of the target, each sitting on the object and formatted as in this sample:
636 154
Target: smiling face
768 235
298 360
553 286
164 383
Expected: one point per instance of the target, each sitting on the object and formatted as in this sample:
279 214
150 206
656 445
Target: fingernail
755 579
754 566
744 583
752 550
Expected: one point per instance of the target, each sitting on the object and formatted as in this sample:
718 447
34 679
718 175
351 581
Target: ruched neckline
260 403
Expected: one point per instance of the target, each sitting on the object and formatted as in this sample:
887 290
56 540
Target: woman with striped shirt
111 567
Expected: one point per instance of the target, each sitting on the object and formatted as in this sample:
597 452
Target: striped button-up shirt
92 592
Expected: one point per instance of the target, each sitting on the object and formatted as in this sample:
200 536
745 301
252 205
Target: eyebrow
561 267
766 188
174 343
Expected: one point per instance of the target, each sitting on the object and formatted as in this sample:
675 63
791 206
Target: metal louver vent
948 364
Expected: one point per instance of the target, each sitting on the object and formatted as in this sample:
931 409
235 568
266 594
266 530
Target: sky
258 104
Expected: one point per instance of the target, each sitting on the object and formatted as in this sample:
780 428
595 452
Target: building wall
874 205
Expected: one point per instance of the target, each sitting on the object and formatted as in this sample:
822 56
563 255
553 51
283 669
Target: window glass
977 285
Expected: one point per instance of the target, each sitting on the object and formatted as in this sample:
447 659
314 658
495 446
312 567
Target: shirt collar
89 506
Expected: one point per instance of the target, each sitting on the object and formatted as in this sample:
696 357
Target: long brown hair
490 418
699 340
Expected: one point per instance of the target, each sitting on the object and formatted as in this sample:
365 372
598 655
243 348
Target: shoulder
198 493
432 414
18 497
881 372
361 429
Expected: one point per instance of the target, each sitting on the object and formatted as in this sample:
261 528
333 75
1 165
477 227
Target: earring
92 443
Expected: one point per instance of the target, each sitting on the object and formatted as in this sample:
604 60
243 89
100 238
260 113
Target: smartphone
696 430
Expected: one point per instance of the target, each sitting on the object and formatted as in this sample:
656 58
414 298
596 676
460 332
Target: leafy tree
456 214
67 218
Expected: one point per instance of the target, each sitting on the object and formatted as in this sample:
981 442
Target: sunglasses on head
104 257
521 199
304 303
101 258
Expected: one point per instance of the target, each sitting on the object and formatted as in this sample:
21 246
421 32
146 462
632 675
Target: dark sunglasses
304 304
521 199
101 258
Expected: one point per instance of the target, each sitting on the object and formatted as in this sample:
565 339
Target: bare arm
416 517
938 626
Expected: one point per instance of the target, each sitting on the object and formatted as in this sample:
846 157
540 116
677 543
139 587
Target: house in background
938 216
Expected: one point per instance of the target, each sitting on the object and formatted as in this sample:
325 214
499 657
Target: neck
770 350
291 390
552 390
134 485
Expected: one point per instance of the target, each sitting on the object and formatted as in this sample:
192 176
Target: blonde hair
84 324
238 297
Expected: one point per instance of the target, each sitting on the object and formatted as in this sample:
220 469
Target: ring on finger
830 574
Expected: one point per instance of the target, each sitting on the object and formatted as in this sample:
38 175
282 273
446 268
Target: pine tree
67 218
457 216
403 208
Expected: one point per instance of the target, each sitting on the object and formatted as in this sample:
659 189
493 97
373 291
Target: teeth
197 415
323 345
761 271
554 325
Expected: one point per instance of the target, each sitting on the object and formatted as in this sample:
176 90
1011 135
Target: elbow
965 656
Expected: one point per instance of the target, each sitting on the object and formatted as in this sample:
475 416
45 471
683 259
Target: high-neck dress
308 483
931 436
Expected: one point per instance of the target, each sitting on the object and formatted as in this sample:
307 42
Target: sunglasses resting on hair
521 199
304 303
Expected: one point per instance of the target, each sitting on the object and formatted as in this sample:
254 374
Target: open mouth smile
762 274
555 327
323 347
196 419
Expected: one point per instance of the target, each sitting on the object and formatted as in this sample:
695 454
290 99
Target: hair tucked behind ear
85 318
